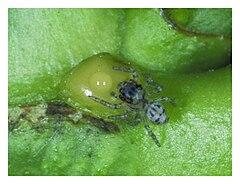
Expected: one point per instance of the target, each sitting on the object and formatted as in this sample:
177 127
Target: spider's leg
136 122
151 134
157 87
149 78
114 95
120 85
126 115
166 99
128 70
105 103
120 116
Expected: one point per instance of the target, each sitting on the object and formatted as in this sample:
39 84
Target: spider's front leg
105 103
128 70
114 95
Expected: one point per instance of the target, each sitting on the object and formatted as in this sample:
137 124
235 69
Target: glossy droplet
93 76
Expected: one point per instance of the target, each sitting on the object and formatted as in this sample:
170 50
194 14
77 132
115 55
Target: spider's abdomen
156 113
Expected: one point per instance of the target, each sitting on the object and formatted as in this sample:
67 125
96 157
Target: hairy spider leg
105 103
124 116
120 85
128 70
150 132
166 99
150 82
136 122
158 88
114 95
120 116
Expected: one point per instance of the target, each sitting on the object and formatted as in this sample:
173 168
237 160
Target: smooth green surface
149 41
45 44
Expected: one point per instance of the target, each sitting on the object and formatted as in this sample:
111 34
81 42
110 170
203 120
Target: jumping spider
137 98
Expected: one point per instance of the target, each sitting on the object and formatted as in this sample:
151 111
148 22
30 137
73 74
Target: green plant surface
196 140
148 40
45 44
200 20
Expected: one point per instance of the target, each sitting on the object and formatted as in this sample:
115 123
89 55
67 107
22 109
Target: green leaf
152 42
45 44
196 140
203 20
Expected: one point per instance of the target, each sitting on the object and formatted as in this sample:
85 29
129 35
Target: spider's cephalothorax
131 92
137 98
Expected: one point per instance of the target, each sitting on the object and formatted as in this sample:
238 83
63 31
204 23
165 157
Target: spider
137 98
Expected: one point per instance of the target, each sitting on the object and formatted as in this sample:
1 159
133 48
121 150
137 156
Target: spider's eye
93 76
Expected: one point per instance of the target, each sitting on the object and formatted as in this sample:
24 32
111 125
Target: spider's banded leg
103 102
119 86
136 122
158 88
149 79
151 134
128 70
114 95
136 117
166 99
120 116
150 82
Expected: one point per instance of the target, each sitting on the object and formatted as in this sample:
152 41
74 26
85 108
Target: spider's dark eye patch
133 88
130 93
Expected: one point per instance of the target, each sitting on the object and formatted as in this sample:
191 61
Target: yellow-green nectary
93 76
